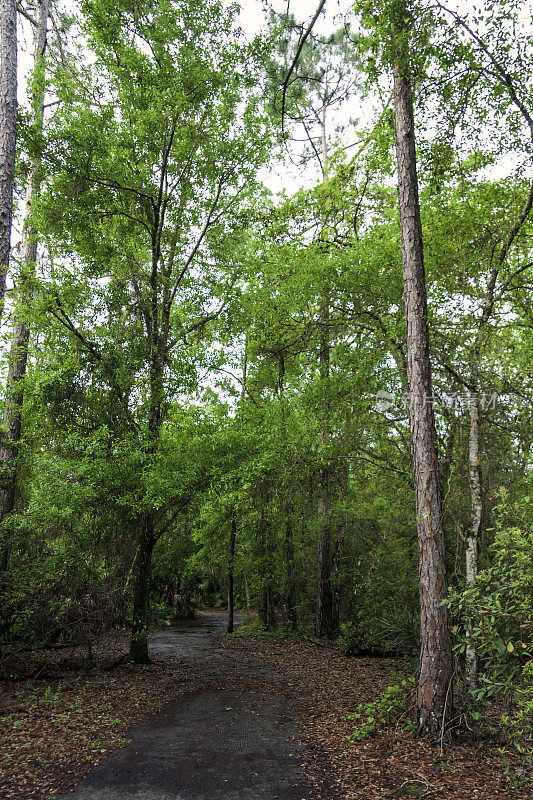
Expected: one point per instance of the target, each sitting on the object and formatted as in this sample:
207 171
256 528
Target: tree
434 696
8 131
156 158
320 77
19 349
494 90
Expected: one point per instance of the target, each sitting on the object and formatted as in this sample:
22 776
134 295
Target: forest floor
212 716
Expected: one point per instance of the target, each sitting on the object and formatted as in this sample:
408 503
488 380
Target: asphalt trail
230 737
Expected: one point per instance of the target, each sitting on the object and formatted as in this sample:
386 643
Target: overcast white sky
288 176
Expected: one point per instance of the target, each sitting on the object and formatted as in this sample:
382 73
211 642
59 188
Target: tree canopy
317 399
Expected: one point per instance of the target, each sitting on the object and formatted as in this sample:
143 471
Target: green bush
255 628
499 606
519 727
60 598
349 640
395 630
391 707
383 614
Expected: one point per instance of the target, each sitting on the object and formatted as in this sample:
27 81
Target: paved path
232 738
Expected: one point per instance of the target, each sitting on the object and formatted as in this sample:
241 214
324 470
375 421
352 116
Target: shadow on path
232 736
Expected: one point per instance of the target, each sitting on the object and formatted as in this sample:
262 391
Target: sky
286 175
289 175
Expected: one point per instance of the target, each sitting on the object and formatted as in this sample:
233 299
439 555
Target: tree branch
295 60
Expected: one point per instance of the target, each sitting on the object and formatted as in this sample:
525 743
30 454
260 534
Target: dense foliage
216 382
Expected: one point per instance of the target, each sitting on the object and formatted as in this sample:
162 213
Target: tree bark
157 328
266 606
324 606
475 527
474 470
231 556
18 358
141 591
8 131
147 536
338 548
247 593
324 624
233 529
288 541
288 553
434 686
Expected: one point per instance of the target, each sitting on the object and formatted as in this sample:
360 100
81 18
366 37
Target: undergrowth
390 707
255 628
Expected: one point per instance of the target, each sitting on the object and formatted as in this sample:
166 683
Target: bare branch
26 15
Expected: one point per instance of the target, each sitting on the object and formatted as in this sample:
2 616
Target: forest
267 368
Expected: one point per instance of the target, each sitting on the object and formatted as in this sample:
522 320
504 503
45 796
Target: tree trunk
233 531
141 591
231 555
474 464
288 552
18 358
324 606
247 593
324 624
157 342
266 609
266 606
473 534
8 131
336 560
434 696
288 542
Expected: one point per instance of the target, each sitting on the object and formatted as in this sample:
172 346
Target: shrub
390 707
499 606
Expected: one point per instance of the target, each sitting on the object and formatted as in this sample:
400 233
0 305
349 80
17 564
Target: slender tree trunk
267 613
147 535
231 559
288 542
8 131
157 329
324 606
474 467
476 504
476 513
434 695
324 624
247 593
263 603
288 552
233 529
339 546
18 358
141 591
266 606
